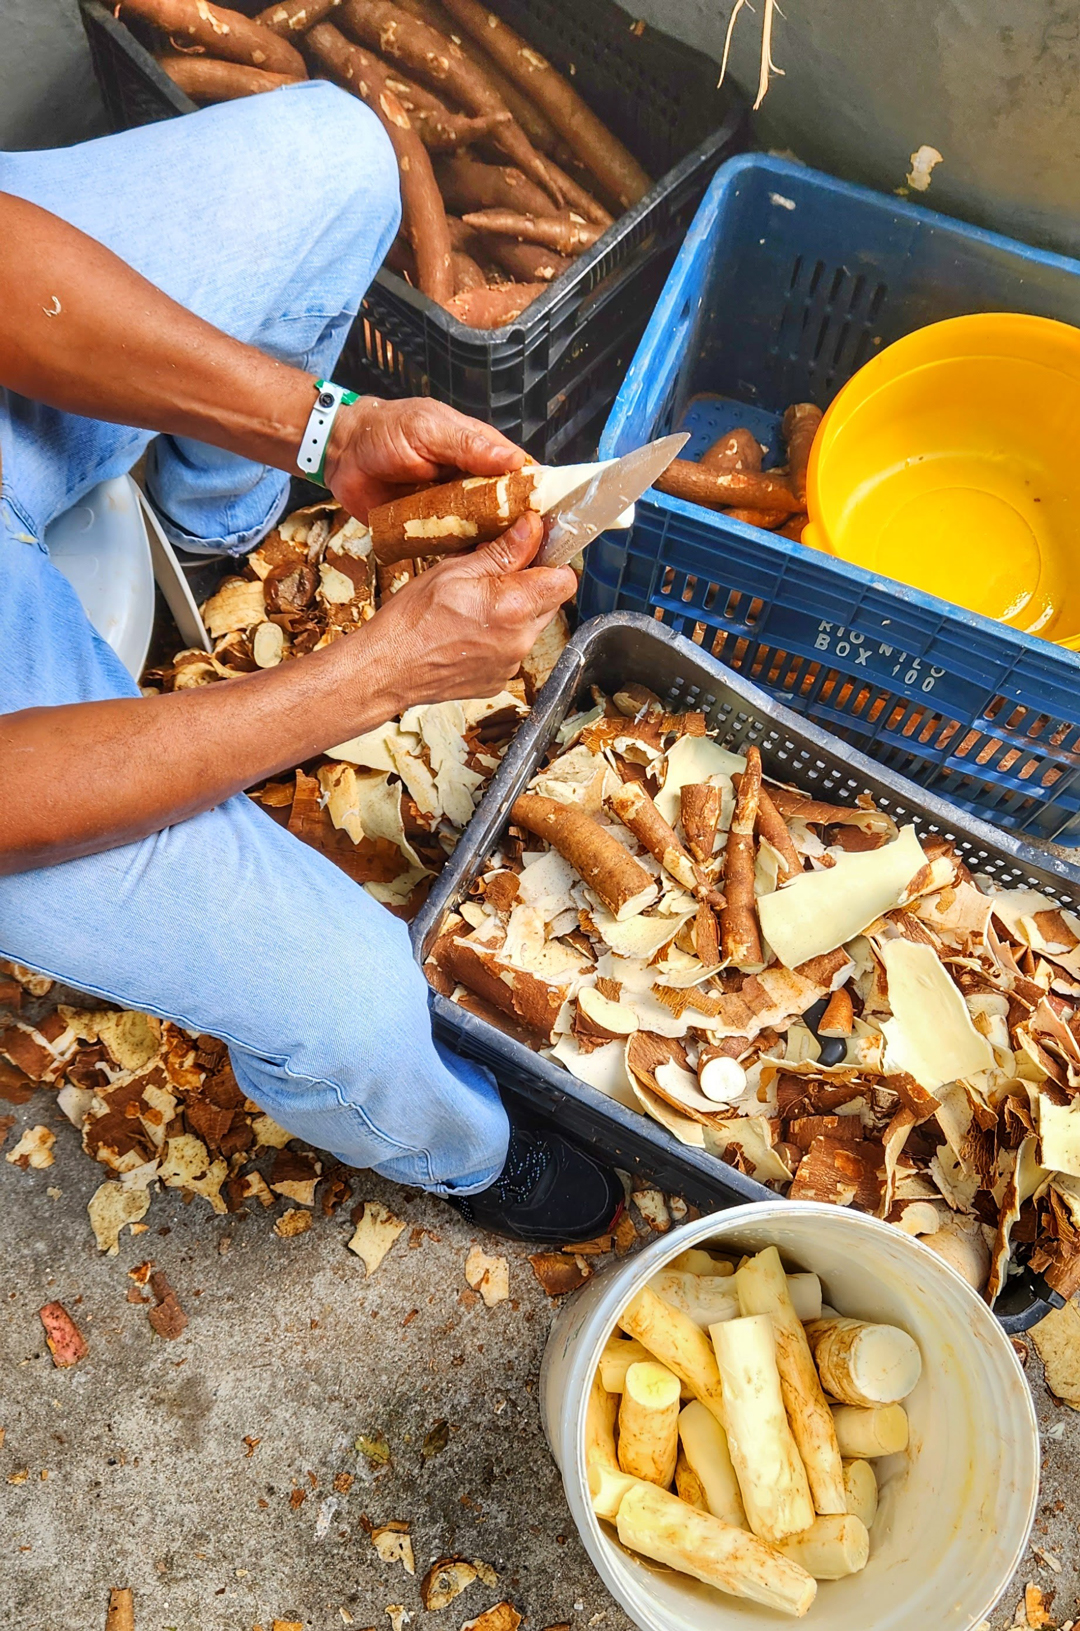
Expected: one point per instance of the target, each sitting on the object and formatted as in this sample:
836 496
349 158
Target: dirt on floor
238 1473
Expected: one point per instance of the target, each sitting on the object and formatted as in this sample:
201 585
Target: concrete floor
138 1473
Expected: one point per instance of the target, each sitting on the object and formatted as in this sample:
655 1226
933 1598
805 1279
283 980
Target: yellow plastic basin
951 462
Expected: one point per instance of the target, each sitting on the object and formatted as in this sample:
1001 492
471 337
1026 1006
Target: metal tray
625 646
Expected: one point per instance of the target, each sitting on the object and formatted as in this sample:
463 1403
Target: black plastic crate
612 650
548 379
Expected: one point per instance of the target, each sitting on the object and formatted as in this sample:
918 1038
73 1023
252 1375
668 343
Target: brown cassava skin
295 16
466 184
799 427
771 826
467 274
598 858
205 79
767 520
493 308
739 449
527 999
740 939
580 201
446 132
221 33
561 232
748 489
700 809
421 202
483 506
438 62
621 178
525 263
634 806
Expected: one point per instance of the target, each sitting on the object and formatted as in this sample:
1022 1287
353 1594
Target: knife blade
599 502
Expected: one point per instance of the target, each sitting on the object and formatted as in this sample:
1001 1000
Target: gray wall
48 97
994 85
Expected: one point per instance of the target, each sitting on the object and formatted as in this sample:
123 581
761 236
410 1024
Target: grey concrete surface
138 1473
48 94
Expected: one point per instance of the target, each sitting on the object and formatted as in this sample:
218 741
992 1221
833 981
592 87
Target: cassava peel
739 937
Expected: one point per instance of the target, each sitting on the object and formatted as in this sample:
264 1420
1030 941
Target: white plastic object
173 584
972 1464
101 547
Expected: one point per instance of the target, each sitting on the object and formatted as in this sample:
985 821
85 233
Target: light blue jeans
268 217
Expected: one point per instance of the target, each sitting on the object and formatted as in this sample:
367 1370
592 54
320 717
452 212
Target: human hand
378 446
461 628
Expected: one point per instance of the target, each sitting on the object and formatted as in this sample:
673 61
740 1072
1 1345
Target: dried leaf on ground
167 1318
34 1149
1057 1338
66 1342
559 1274
490 1276
435 1440
446 1579
376 1231
626 1236
376 1450
111 1207
293 1222
399 1616
503 1617
394 1545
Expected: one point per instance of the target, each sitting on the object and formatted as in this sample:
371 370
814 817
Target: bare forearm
92 776
84 332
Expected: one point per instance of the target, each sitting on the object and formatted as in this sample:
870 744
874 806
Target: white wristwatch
311 458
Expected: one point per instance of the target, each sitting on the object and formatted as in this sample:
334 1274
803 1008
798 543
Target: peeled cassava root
759 1449
422 207
864 1364
228 35
669 1531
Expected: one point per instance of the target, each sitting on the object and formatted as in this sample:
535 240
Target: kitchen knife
599 502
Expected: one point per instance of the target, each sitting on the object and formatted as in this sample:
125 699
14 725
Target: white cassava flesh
762 1287
835 1545
864 1364
705 1446
772 1479
866 1434
860 1484
649 1422
678 1343
664 1528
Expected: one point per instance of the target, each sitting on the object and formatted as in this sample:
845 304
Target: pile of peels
387 807
832 1005
154 1105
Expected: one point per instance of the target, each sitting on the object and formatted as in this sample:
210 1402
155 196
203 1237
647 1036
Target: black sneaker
548 1191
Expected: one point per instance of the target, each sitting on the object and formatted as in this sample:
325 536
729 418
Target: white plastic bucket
955 1511
101 547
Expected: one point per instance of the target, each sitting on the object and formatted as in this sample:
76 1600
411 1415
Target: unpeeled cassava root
740 940
437 61
757 490
422 206
561 232
494 308
599 859
221 33
620 176
206 79
295 16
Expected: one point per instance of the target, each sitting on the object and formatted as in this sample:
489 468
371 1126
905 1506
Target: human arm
82 331
91 776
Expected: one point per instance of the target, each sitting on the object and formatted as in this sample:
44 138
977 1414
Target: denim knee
341 147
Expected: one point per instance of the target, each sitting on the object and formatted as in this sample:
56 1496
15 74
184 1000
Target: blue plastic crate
787 283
